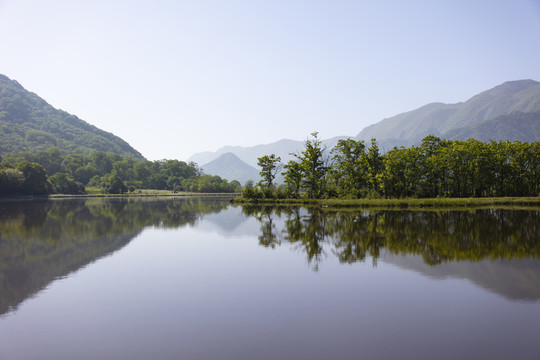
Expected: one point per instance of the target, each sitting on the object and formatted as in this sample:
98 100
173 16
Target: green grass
98 192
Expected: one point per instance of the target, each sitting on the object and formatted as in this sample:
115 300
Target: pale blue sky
178 77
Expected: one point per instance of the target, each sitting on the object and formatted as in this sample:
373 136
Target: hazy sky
177 77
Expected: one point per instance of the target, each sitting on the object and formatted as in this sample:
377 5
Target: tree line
54 171
436 167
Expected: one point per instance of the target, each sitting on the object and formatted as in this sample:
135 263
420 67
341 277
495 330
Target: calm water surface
203 279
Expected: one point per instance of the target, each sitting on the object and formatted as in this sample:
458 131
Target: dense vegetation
436 168
52 171
29 123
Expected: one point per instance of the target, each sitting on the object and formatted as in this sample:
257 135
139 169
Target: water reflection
41 241
497 249
44 240
438 236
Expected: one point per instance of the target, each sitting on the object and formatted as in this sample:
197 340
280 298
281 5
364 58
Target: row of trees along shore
53 171
435 168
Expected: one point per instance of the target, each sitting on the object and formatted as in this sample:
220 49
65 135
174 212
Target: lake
200 278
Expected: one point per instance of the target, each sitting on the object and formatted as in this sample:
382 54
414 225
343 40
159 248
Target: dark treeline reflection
438 236
44 240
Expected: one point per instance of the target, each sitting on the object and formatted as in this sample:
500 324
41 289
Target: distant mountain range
240 163
249 154
229 166
29 123
505 106
510 111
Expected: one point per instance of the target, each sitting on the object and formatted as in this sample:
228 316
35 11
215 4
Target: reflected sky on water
201 279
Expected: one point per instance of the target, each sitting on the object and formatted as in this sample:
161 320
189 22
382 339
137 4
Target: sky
174 78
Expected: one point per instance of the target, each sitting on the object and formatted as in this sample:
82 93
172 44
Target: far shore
399 203
236 198
136 194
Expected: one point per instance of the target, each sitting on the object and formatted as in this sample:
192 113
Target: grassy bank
97 192
402 203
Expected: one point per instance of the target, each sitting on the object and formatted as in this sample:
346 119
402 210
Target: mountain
282 148
231 167
515 126
29 123
509 111
507 103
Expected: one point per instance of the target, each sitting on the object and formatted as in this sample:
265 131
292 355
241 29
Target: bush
65 184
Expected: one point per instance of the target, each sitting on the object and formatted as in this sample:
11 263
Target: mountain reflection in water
498 249
43 240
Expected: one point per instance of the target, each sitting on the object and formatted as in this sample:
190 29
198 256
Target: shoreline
398 203
119 196
236 198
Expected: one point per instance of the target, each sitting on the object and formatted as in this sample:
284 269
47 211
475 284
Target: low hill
231 167
29 123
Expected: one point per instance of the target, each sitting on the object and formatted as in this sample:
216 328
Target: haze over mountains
229 166
511 99
510 111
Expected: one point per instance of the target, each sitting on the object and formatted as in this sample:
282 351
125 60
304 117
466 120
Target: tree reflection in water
42 240
437 235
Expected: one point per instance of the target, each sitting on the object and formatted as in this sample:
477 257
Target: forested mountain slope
511 99
29 123
517 126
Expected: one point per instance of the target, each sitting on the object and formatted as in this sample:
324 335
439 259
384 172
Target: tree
65 184
313 166
101 162
112 184
11 181
293 178
270 167
35 178
350 166
375 166
73 162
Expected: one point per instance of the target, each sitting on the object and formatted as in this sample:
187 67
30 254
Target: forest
54 171
435 168
351 170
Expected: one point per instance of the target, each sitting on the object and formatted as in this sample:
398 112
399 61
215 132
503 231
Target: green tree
293 178
65 184
35 178
313 166
101 162
124 169
113 184
72 162
11 181
270 166
350 166
375 166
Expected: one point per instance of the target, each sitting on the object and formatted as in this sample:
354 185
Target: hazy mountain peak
438 118
231 167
